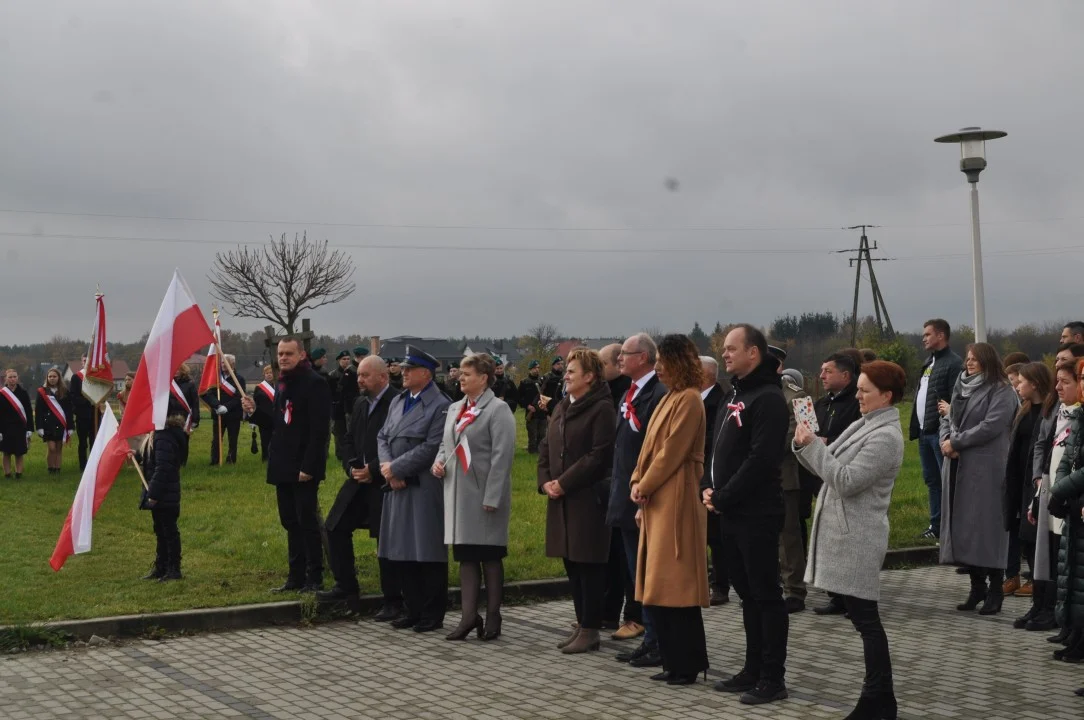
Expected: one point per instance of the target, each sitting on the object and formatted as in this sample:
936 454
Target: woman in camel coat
671 571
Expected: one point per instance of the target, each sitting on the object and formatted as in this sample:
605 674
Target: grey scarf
966 385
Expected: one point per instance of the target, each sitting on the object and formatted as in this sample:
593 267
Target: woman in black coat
16 423
160 457
53 411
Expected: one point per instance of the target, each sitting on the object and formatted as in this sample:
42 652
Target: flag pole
139 470
218 388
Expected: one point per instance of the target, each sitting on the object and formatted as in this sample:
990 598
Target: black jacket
162 468
836 413
359 445
299 438
529 391
191 394
344 391
232 403
451 389
713 405
618 387
747 454
553 387
263 416
621 511
47 421
946 369
1019 487
82 407
505 389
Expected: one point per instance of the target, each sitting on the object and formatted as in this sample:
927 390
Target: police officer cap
318 353
778 353
416 357
361 350
342 354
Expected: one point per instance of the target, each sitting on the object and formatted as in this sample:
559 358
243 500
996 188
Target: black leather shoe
834 607
1042 621
678 680
742 682
428 626
651 659
661 677
465 629
288 586
154 574
794 605
335 594
405 622
1079 691
718 597
1022 622
171 575
630 656
1060 637
312 588
766 691
389 613
993 602
874 707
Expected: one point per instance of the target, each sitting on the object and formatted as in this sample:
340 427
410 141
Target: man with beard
360 500
412 521
554 384
297 462
395 374
530 392
746 489
503 387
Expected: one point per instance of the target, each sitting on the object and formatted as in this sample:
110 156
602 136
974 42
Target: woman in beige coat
671 571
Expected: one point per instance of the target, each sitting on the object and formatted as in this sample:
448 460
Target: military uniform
792 557
530 389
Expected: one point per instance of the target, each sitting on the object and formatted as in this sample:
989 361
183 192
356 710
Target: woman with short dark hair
975 438
849 537
671 568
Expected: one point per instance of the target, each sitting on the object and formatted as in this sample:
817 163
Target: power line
511 228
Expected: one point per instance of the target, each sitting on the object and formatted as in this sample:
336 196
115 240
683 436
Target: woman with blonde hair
574 463
671 569
53 412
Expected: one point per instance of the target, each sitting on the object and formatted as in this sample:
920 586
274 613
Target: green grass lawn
234 549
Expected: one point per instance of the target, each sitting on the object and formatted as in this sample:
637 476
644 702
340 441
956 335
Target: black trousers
753 562
682 643
168 536
867 621
425 588
536 430
231 428
84 430
618 592
265 442
299 514
720 578
1044 594
340 545
588 581
390 586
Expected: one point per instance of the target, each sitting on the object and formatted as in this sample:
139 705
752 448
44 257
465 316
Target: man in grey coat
412 521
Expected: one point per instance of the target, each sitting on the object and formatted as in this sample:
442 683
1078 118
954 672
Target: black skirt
479 553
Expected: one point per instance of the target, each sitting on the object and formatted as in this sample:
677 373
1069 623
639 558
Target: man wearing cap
297 462
412 520
451 383
344 391
395 373
554 385
791 545
503 387
530 391
360 353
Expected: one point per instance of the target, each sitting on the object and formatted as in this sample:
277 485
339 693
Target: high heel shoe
661 677
676 679
493 628
465 629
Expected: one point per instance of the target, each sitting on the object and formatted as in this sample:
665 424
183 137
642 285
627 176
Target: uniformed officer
530 391
504 388
395 373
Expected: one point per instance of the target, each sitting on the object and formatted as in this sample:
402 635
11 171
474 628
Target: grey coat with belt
972 528
412 520
849 537
491 439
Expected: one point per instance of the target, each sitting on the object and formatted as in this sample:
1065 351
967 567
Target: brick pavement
947 665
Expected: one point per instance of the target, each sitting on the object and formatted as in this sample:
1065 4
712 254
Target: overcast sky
780 121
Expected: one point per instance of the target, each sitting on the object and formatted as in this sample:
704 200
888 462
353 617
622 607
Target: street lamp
972 141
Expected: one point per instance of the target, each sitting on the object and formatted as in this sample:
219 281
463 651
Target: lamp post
972 141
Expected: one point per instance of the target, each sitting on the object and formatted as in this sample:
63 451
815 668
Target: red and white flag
97 371
107 455
462 451
212 371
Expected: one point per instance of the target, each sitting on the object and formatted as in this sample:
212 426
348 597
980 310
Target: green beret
318 353
361 350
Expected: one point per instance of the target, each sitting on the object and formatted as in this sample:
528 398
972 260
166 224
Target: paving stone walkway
947 665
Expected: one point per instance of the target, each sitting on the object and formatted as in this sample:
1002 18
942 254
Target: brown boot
586 641
568 640
1011 585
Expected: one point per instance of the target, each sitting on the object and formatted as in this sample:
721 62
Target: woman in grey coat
475 460
975 437
849 536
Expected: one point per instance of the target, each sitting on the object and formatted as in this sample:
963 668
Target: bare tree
543 337
281 280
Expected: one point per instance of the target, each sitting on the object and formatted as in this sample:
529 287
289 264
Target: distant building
120 371
444 350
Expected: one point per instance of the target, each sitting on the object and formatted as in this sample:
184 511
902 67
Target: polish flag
97 371
179 330
462 451
106 458
211 369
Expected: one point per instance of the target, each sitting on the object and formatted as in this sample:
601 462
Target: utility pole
879 307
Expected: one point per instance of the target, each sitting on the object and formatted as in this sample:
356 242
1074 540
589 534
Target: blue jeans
631 540
929 455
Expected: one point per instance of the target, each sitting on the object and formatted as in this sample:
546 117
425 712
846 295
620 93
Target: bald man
361 497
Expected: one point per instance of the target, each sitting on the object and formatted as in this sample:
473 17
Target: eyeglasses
632 352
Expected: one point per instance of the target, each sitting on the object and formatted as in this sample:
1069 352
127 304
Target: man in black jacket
553 386
530 390
361 497
343 380
504 388
836 410
746 489
713 395
937 381
226 403
637 362
84 412
297 462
